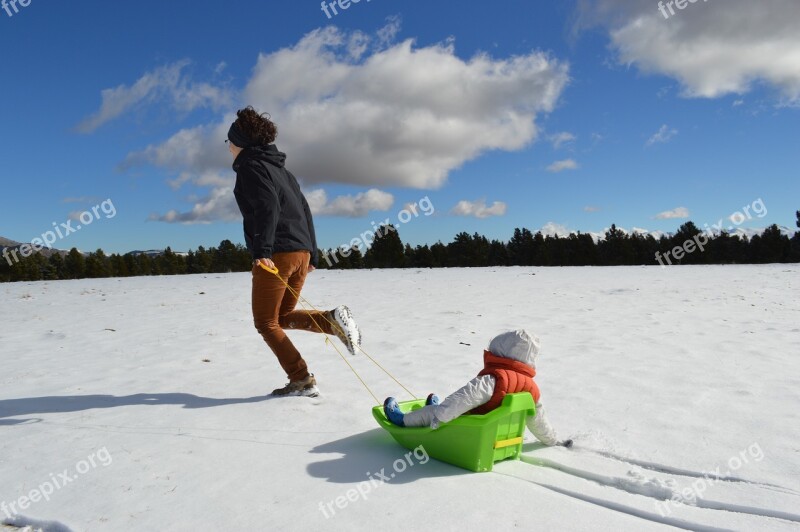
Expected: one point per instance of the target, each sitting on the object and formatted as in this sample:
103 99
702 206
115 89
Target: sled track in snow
622 508
657 489
659 468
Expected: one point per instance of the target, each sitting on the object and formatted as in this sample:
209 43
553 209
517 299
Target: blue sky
549 115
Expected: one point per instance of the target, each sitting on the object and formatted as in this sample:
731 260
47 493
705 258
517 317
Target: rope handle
270 270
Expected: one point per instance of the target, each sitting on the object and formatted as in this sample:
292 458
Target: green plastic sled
474 442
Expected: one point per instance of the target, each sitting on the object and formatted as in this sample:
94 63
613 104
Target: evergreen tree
145 264
224 257
326 259
55 267
117 266
74 265
585 249
386 250
686 233
170 263
468 251
203 261
795 252
349 259
132 265
97 265
356 259
30 268
438 255
497 254
5 269
521 248
409 257
771 246
615 249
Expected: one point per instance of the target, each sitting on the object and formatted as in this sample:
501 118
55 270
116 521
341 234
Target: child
509 367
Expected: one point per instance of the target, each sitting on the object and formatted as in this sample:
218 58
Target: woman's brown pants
273 309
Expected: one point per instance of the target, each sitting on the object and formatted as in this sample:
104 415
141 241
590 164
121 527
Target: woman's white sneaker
345 328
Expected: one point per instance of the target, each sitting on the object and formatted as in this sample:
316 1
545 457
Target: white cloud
167 82
219 205
387 34
478 209
350 206
711 48
560 166
192 151
554 229
403 115
663 135
355 108
680 212
591 208
558 139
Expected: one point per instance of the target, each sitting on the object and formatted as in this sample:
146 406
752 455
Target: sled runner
474 442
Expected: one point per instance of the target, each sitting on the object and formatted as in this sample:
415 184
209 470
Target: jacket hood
268 154
516 345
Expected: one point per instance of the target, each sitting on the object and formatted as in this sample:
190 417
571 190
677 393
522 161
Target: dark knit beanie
240 138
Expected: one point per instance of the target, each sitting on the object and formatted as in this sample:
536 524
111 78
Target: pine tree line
228 257
617 248
388 251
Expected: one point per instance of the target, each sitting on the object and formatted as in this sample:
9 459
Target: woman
279 232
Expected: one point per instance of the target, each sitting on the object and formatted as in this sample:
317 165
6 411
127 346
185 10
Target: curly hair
257 126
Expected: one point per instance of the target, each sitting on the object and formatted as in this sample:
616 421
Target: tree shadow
374 453
58 404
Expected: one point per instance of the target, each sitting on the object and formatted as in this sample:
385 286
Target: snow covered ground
140 404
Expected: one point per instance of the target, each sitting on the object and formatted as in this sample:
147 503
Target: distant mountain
156 252
750 233
148 252
47 252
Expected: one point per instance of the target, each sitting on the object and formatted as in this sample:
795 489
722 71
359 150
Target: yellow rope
303 301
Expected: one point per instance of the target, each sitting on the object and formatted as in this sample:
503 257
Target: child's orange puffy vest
512 376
